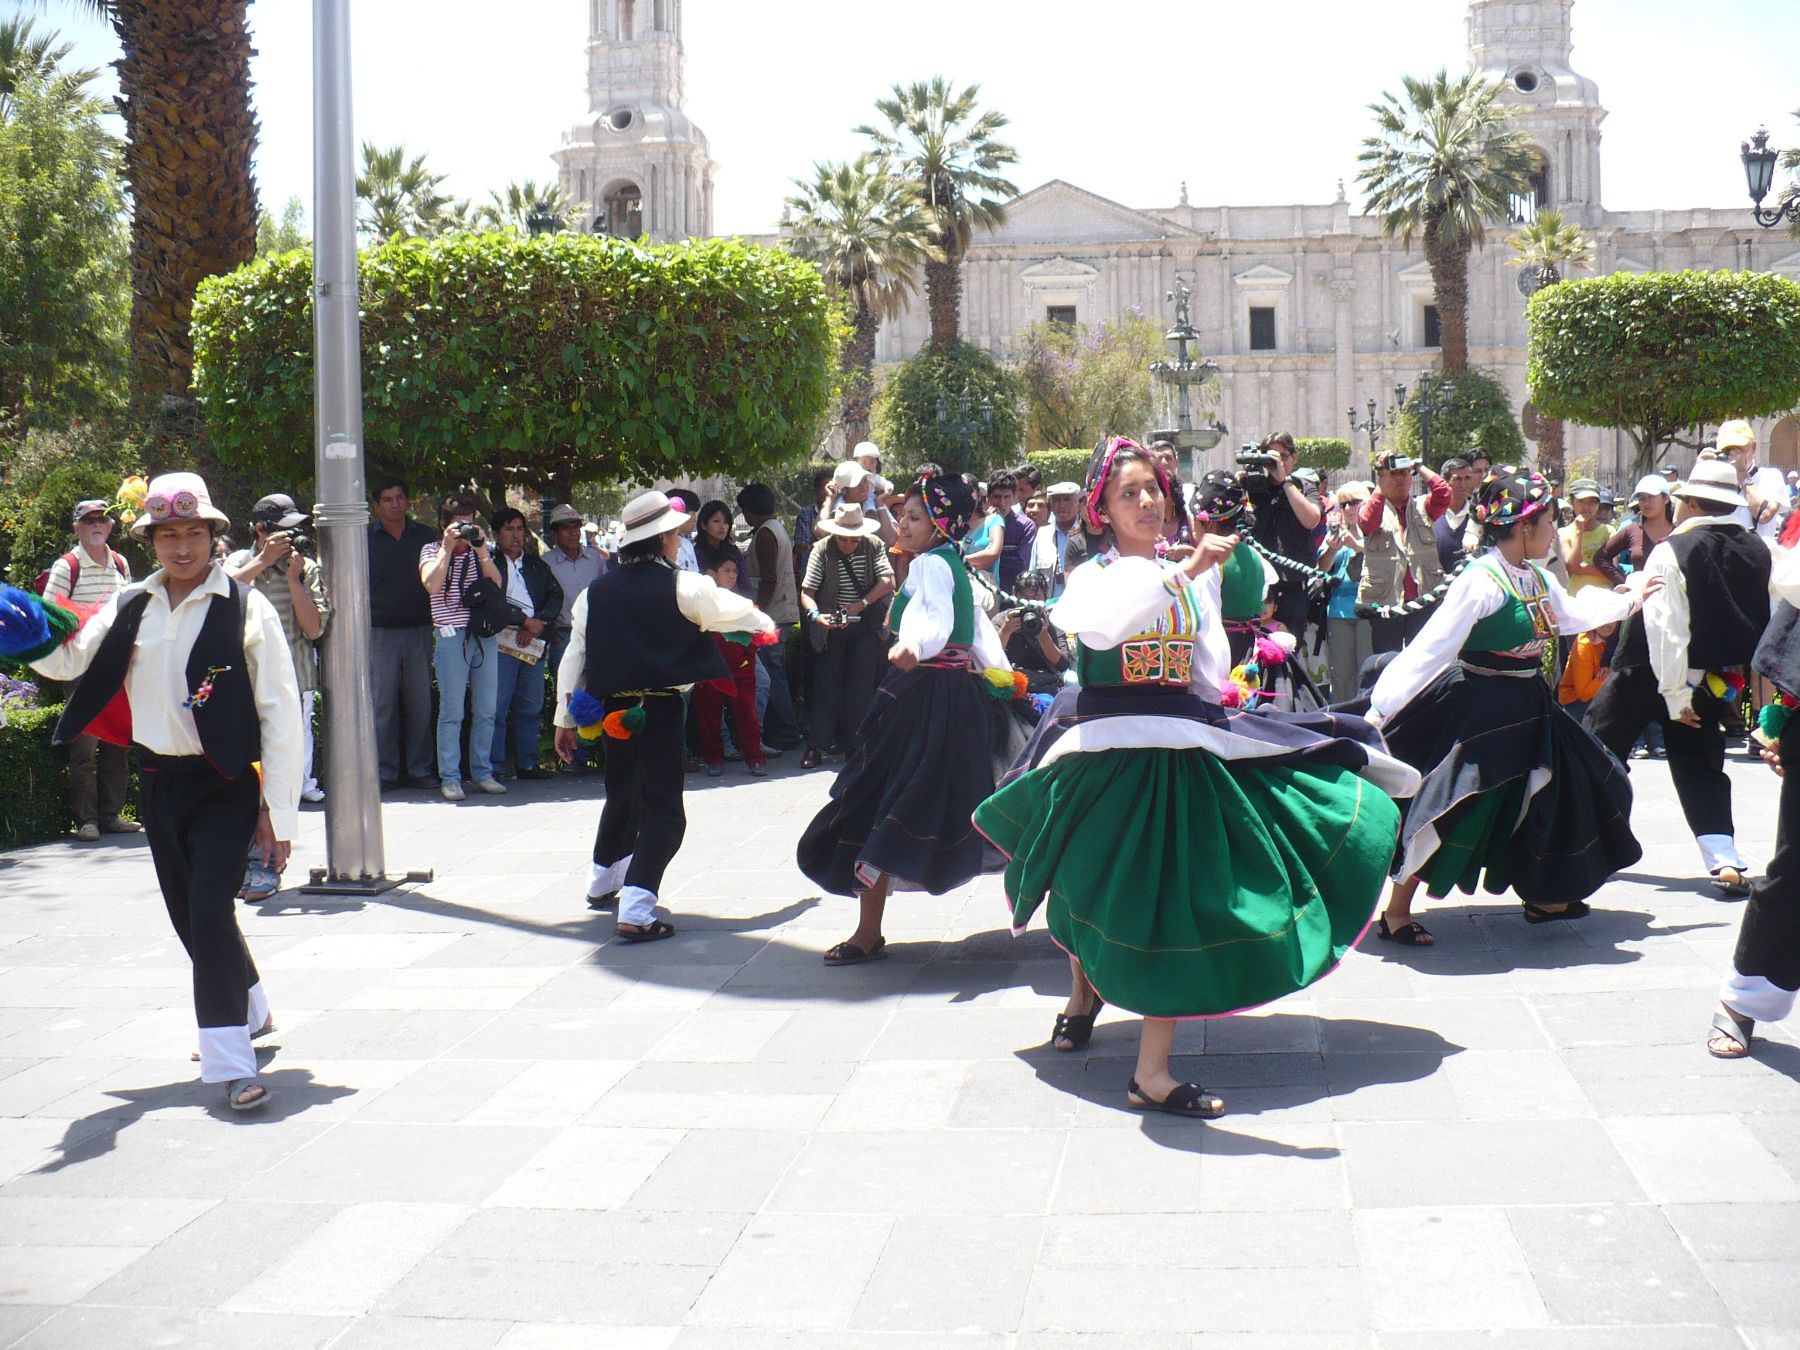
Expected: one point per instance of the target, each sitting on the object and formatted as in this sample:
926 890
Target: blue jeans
775 704
518 705
466 666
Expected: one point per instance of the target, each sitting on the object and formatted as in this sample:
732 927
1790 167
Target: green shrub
34 778
41 479
1478 415
1061 466
1322 452
535 360
905 417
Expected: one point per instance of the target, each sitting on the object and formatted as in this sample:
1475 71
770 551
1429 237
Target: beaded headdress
1100 470
1510 494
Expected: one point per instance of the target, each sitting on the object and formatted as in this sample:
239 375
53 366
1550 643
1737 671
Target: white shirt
930 616
156 681
1473 596
1772 484
516 589
685 558
702 602
1668 621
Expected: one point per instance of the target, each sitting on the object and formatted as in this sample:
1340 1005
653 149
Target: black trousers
845 677
200 828
645 776
1390 634
1769 942
1627 703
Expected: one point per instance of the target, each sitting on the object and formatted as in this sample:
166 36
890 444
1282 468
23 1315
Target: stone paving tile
1614 1264
46 1273
751 1288
420 1333
982 1172
29 1220
1686 1159
371 1160
1465 1162
923 1283
190 1269
112 1328
349 1262
595 1292
1440 1269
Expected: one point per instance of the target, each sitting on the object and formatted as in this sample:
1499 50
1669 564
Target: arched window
622 213
1524 206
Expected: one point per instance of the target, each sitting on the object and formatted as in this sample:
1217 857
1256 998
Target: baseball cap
1651 485
1582 487
1734 433
91 505
277 509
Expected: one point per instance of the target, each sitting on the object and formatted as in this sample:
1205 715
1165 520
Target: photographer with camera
1400 554
1033 644
1285 517
844 595
295 584
468 665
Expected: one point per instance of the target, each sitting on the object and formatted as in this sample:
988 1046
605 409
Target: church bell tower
1525 46
636 165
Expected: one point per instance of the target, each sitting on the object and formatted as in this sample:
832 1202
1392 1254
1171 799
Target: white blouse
1112 599
930 615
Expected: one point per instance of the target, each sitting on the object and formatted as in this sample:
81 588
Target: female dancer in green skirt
1195 861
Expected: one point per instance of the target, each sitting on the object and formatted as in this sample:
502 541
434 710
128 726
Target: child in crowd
1585 670
737 692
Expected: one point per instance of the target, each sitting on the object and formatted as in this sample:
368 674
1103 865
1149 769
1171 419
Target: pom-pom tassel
31 628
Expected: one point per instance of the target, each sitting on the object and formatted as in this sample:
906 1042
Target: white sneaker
493 785
312 794
453 792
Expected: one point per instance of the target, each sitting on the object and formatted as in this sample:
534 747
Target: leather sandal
1413 934
1730 881
847 953
1076 1028
1184 1099
238 1098
654 931
1733 1032
1575 909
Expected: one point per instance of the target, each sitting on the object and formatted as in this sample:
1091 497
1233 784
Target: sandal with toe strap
1413 934
847 953
654 931
238 1098
1731 880
1733 1032
1184 1099
1575 909
1076 1028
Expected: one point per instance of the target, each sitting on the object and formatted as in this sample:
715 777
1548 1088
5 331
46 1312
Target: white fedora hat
848 522
1712 480
649 514
176 496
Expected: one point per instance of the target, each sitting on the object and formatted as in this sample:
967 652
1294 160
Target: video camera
1256 470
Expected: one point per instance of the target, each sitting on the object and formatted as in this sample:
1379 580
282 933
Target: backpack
73 559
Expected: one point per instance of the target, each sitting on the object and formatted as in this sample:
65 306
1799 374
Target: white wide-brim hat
849 522
176 496
649 514
1712 480
1651 485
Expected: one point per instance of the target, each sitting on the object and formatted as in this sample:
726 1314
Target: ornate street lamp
967 421
1184 373
1428 402
1759 174
542 220
1372 427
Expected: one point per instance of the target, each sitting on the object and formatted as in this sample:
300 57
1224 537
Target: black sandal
654 931
1575 909
608 901
847 953
1731 880
1728 1026
1185 1099
1076 1028
1414 934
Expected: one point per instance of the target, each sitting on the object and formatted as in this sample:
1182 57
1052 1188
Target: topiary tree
1478 414
1322 452
906 410
1658 353
1061 466
494 359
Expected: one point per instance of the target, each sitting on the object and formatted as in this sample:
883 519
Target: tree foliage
906 410
63 250
1478 415
42 476
534 360
397 197
1656 354
278 236
1081 382
1322 452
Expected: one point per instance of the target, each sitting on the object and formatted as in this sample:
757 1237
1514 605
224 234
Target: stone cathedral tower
636 165
1526 45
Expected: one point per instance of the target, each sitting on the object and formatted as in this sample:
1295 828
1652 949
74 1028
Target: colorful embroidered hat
949 502
1509 494
1219 497
176 496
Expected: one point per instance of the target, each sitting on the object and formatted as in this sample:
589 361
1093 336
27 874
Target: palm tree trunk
1449 263
943 295
859 372
190 134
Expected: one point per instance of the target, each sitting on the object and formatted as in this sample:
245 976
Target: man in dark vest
194 670
1678 661
638 640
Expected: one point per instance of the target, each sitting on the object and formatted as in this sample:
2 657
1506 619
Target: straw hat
1713 480
176 496
649 514
848 522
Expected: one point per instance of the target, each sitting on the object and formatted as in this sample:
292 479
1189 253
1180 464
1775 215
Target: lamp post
1370 425
1759 174
967 421
1428 402
542 220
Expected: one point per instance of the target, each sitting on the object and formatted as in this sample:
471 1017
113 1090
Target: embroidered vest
1518 631
637 636
1241 584
1163 655
227 722
962 599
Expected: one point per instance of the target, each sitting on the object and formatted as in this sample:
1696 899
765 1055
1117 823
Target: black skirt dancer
903 803
1514 788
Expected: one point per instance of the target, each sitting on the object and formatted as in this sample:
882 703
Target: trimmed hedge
905 416
34 778
1478 415
564 357
1322 452
1059 466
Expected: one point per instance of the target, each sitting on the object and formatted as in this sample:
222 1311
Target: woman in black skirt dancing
900 810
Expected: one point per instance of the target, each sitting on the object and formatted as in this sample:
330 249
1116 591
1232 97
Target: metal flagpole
353 842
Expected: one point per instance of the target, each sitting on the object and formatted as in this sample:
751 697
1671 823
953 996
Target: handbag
487 606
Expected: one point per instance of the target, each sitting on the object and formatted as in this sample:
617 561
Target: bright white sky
1249 101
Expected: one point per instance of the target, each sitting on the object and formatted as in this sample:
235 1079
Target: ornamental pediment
1263 278
1059 212
1059 271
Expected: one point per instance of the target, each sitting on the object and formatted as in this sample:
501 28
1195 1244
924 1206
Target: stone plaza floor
492 1127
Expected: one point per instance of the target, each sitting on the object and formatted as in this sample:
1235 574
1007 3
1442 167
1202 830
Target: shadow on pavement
1477 939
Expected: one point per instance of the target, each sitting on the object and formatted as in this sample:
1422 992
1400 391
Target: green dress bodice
962 600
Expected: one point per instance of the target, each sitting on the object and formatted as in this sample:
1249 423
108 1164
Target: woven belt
1529 673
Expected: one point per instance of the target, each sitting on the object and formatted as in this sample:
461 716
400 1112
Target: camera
1256 470
299 540
1031 618
837 618
469 532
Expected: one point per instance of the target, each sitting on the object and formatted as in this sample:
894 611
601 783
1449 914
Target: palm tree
24 56
513 208
1544 246
398 198
190 136
935 137
1442 165
863 225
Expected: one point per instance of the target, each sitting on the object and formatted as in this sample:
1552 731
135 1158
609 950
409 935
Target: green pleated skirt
1188 885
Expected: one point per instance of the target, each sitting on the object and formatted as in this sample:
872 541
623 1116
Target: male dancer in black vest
208 692
638 639
1704 623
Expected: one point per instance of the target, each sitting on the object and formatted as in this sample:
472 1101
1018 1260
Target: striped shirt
827 581
95 584
272 582
447 607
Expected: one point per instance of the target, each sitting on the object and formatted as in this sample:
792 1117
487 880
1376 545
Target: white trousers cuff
225 1052
606 880
636 905
1754 997
1720 850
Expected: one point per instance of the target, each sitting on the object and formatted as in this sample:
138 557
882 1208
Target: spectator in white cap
1631 543
639 642
1050 546
92 573
1765 490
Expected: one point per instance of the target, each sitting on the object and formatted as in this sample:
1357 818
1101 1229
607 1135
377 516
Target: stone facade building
1307 308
